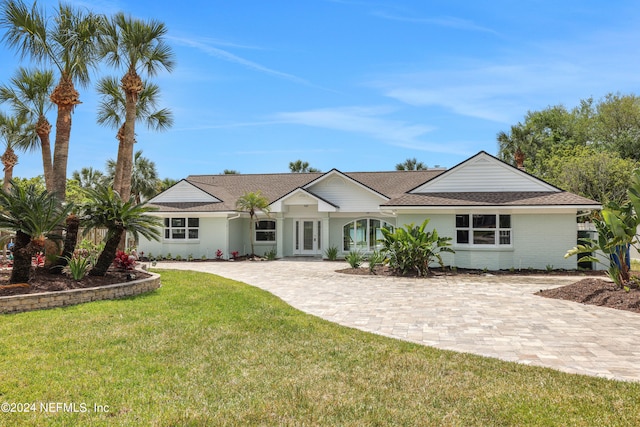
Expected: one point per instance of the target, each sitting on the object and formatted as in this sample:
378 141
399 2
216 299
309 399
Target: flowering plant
124 260
235 254
219 254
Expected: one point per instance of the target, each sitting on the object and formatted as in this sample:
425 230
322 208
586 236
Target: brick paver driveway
493 316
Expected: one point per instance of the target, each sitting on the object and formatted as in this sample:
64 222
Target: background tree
15 132
411 165
68 41
89 177
252 202
137 46
108 210
301 167
32 214
166 183
144 177
28 96
230 172
590 149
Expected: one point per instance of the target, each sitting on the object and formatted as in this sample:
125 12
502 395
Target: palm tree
69 43
29 97
137 46
89 178
301 167
166 184
144 177
411 165
512 146
108 210
15 132
32 214
252 202
112 112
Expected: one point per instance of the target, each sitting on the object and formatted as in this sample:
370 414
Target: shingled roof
395 185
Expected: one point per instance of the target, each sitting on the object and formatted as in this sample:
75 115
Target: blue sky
356 85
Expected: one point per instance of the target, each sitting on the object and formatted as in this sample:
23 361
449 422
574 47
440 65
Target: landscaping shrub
331 253
411 249
355 259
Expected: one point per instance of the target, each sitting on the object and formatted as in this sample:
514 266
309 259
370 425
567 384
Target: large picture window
181 228
483 229
265 231
363 234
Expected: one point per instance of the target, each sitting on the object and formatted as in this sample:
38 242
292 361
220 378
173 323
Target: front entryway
306 237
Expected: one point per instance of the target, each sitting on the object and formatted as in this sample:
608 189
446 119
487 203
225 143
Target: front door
306 235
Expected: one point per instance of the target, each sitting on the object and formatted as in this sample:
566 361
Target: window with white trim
363 234
483 229
265 231
181 228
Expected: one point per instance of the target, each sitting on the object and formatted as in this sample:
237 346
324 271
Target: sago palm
32 214
69 43
108 210
138 47
28 96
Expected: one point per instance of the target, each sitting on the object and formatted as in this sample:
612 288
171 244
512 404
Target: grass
203 350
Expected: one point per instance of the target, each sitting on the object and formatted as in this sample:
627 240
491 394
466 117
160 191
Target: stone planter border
44 300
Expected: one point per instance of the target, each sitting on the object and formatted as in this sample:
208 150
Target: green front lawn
209 351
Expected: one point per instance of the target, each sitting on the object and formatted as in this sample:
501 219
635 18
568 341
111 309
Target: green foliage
355 259
178 257
411 165
617 227
252 202
589 150
78 265
375 259
301 167
331 253
271 254
411 249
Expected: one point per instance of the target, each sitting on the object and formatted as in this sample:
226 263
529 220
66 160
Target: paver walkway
494 316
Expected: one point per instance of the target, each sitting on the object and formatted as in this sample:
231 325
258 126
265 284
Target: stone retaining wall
29 302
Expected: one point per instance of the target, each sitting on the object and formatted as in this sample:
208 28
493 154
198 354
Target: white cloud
208 46
441 21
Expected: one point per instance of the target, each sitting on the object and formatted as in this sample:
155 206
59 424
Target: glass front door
306 236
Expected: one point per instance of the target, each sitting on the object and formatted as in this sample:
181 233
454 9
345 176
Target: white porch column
279 235
325 234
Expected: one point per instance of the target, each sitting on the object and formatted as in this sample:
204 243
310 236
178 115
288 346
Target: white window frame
497 231
265 230
169 228
368 247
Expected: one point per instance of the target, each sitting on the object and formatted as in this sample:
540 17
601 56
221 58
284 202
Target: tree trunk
43 129
22 254
132 86
117 175
9 160
70 240
66 98
108 253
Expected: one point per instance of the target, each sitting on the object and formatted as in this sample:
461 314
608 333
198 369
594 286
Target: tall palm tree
28 96
16 132
137 46
32 214
144 177
68 41
411 165
112 112
108 210
252 202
